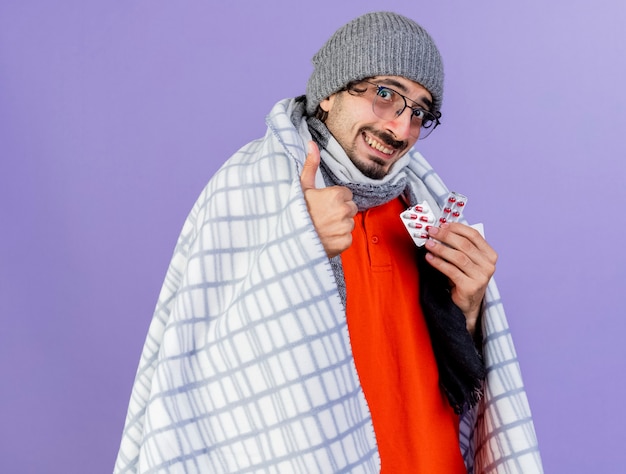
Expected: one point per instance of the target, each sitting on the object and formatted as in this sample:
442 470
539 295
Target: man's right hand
332 209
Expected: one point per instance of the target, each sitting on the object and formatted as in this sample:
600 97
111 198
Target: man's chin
372 170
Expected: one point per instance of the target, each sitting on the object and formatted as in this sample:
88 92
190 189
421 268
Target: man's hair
376 44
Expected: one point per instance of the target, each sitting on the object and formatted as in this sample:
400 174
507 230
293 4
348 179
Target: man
299 329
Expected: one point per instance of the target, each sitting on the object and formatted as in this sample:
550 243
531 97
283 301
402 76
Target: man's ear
327 104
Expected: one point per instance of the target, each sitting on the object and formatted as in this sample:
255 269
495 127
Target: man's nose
402 126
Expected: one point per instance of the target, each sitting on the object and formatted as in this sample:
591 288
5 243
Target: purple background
114 114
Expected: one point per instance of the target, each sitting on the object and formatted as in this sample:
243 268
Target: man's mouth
376 145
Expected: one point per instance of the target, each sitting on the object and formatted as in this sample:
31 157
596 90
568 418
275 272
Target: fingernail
433 230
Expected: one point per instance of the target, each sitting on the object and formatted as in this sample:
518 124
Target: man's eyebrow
396 84
401 88
428 103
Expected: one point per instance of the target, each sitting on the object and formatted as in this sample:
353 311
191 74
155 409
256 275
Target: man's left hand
469 262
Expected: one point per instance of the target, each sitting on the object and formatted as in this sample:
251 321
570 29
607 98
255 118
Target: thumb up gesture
332 209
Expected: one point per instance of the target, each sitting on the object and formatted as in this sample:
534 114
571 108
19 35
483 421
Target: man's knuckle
465 246
464 261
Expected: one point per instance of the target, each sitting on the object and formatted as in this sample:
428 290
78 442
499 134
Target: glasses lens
388 105
429 123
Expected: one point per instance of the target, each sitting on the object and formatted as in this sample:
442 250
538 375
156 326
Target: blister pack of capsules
419 218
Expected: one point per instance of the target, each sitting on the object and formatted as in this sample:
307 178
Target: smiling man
374 148
299 329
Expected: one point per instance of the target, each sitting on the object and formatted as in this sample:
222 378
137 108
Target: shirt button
375 239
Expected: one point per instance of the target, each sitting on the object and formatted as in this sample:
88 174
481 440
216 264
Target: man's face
373 144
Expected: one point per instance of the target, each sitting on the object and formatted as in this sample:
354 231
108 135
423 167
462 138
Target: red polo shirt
416 429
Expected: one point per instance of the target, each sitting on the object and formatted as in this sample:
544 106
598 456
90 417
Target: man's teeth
378 146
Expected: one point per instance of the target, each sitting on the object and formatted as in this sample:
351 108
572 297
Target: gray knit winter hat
376 44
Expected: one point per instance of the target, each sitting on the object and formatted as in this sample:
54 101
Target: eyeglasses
389 104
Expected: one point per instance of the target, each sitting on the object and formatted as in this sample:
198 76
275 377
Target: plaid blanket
247 365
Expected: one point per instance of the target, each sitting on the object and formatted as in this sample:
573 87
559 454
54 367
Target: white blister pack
419 218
